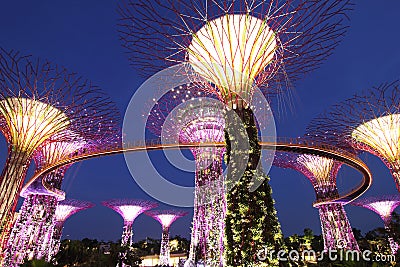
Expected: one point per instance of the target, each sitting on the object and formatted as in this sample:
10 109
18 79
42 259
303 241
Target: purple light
37 232
31 115
64 210
129 209
384 207
180 119
369 121
32 236
322 172
165 218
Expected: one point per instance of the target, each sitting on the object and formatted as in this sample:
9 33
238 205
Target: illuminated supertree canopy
384 207
32 232
129 209
370 122
189 117
233 44
165 218
232 47
38 100
322 172
64 210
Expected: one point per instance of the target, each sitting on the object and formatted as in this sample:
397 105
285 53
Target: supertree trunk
31 234
126 241
29 237
209 209
215 223
194 237
56 240
10 181
251 219
165 249
127 234
336 229
394 246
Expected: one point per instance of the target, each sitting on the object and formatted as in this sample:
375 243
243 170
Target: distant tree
307 238
292 242
183 244
317 243
131 256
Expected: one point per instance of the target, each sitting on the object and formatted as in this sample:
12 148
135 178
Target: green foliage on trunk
251 219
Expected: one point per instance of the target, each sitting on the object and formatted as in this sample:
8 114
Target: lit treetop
233 44
382 205
165 217
68 207
369 121
38 100
50 153
319 170
187 115
322 174
64 210
129 209
69 143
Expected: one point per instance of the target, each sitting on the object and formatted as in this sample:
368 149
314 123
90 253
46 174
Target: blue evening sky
82 36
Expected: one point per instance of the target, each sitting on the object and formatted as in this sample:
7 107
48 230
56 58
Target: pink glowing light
322 172
383 205
129 209
68 207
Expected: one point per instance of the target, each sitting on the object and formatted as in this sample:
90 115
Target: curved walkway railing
293 145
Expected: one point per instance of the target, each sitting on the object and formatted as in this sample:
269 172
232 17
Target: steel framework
129 209
233 44
369 122
31 234
384 207
37 100
182 117
165 218
64 210
321 172
284 144
229 48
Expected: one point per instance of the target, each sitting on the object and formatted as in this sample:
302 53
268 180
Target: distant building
152 260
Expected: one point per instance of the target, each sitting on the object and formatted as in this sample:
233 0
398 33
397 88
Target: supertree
384 207
129 209
321 172
31 234
64 210
38 100
369 121
190 117
165 218
231 47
